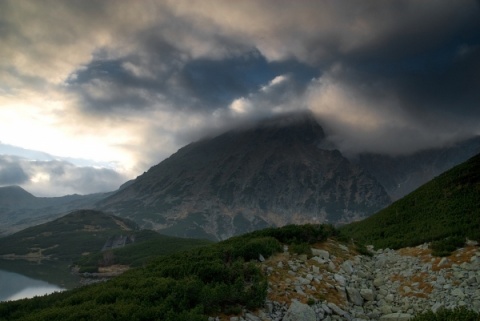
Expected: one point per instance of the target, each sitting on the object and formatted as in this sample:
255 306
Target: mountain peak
271 173
299 126
12 195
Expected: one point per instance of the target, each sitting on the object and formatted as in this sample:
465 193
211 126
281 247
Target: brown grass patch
459 256
283 291
420 288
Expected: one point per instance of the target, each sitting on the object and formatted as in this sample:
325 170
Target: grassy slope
67 237
183 286
449 205
148 245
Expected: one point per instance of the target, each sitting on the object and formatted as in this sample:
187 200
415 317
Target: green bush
446 246
308 233
88 269
457 314
191 285
300 248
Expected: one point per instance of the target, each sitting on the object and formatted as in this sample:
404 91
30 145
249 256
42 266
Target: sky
93 93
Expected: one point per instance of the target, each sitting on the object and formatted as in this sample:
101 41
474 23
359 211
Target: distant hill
148 245
67 238
19 209
402 174
273 173
449 205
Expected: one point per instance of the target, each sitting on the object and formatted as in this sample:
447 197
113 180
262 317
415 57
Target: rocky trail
338 284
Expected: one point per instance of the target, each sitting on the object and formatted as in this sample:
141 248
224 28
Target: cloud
11 173
362 113
128 82
56 177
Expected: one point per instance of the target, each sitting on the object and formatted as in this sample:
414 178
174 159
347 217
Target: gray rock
458 293
326 309
261 258
337 310
354 296
396 317
299 311
340 279
251 317
319 259
321 253
347 266
386 309
367 294
389 297
443 261
303 281
331 266
437 306
378 282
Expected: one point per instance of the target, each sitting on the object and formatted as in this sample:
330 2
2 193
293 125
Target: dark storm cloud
200 84
105 85
218 82
389 76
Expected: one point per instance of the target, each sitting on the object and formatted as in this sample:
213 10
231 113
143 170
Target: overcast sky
93 93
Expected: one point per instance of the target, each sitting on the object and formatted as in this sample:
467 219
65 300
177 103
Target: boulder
367 294
347 266
321 253
354 296
340 279
299 311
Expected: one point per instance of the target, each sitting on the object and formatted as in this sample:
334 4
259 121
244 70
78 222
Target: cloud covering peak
132 81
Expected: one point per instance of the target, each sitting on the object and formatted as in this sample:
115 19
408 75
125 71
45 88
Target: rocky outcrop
390 285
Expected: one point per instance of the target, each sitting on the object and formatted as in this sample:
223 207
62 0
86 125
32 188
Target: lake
22 279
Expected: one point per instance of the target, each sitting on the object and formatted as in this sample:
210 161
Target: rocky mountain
269 174
19 209
402 174
275 172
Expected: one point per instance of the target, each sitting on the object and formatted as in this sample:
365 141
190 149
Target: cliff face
270 174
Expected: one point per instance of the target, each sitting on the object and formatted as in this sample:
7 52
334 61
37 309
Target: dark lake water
22 279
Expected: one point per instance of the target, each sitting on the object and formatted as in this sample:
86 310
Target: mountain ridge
271 174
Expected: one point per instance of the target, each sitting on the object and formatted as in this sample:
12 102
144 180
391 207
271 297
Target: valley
266 224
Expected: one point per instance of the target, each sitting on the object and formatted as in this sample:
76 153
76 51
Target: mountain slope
68 237
19 209
273 173
402 174
446 206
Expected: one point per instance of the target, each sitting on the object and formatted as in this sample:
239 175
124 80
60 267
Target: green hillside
184 286
148 245
447 206
66 238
